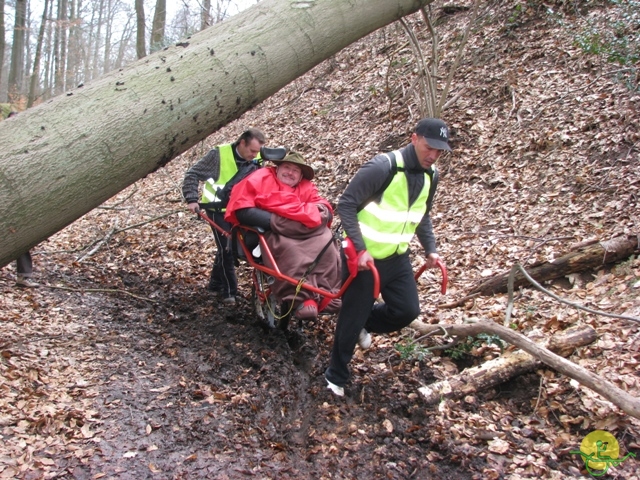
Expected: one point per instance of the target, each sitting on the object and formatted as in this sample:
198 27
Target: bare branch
560 299
626 402
456 63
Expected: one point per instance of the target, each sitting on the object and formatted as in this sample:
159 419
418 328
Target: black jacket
366 185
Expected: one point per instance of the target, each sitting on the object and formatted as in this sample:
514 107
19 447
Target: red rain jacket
262 189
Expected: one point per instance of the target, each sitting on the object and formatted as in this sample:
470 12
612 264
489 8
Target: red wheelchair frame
266 304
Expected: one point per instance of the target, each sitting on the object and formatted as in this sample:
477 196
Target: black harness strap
314 264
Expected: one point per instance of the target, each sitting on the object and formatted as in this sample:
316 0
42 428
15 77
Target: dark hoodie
366 186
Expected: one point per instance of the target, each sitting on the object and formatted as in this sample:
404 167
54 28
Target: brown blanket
294 247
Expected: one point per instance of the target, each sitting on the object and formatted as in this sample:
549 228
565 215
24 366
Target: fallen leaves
106 382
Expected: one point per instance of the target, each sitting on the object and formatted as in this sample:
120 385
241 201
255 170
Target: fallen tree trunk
520 362
588 257
79 149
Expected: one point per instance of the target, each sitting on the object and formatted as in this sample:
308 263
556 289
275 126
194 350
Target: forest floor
122 365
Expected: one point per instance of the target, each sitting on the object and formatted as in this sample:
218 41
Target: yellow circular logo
599 446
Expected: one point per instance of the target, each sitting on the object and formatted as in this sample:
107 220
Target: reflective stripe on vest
388 227
228 169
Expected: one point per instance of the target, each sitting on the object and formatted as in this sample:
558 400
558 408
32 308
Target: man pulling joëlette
384 205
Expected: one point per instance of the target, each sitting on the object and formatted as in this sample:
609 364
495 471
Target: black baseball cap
435 131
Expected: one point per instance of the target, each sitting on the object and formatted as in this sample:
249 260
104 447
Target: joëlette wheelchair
275 312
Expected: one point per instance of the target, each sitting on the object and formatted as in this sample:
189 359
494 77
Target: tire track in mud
304 407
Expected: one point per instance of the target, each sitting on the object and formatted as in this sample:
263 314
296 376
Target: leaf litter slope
126 368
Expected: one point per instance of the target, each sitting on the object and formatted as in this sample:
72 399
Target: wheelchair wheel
264 303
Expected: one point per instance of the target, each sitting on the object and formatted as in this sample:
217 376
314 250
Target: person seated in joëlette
283 200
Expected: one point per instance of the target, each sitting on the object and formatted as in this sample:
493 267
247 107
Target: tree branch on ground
107 290
104 240
111 207
553 295
606 389
585 258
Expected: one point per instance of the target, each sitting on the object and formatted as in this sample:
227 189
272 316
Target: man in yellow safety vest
384 205
217 169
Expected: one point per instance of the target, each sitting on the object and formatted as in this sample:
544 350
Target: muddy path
189 388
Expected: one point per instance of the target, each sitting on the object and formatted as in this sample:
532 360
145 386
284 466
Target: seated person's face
289 173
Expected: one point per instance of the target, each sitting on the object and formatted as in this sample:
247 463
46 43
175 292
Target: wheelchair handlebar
443 270
276 272
201 213
376 279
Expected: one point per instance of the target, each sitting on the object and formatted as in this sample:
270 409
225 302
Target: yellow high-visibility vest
389 225
228 169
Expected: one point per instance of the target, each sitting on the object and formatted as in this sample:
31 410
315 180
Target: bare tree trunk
95 72
141 48
157 29
63 22
205 15
127 33
108 29
3 43
56 55
16 70
80 41
625 401
28 57
505 367
222 8
88 48
73 50
585 258
47 90
132 121
61 64
35 76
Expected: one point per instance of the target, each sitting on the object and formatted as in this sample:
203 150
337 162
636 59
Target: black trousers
24 265
401 306
223 274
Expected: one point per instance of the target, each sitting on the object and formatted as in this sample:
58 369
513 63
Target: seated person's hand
325 214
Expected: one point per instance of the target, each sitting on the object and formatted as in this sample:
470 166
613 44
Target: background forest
121 365
50 46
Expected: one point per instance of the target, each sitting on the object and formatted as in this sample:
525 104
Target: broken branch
606 389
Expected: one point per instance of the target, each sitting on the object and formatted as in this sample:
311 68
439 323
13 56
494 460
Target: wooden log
588 257
515 363
475 379
505 367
